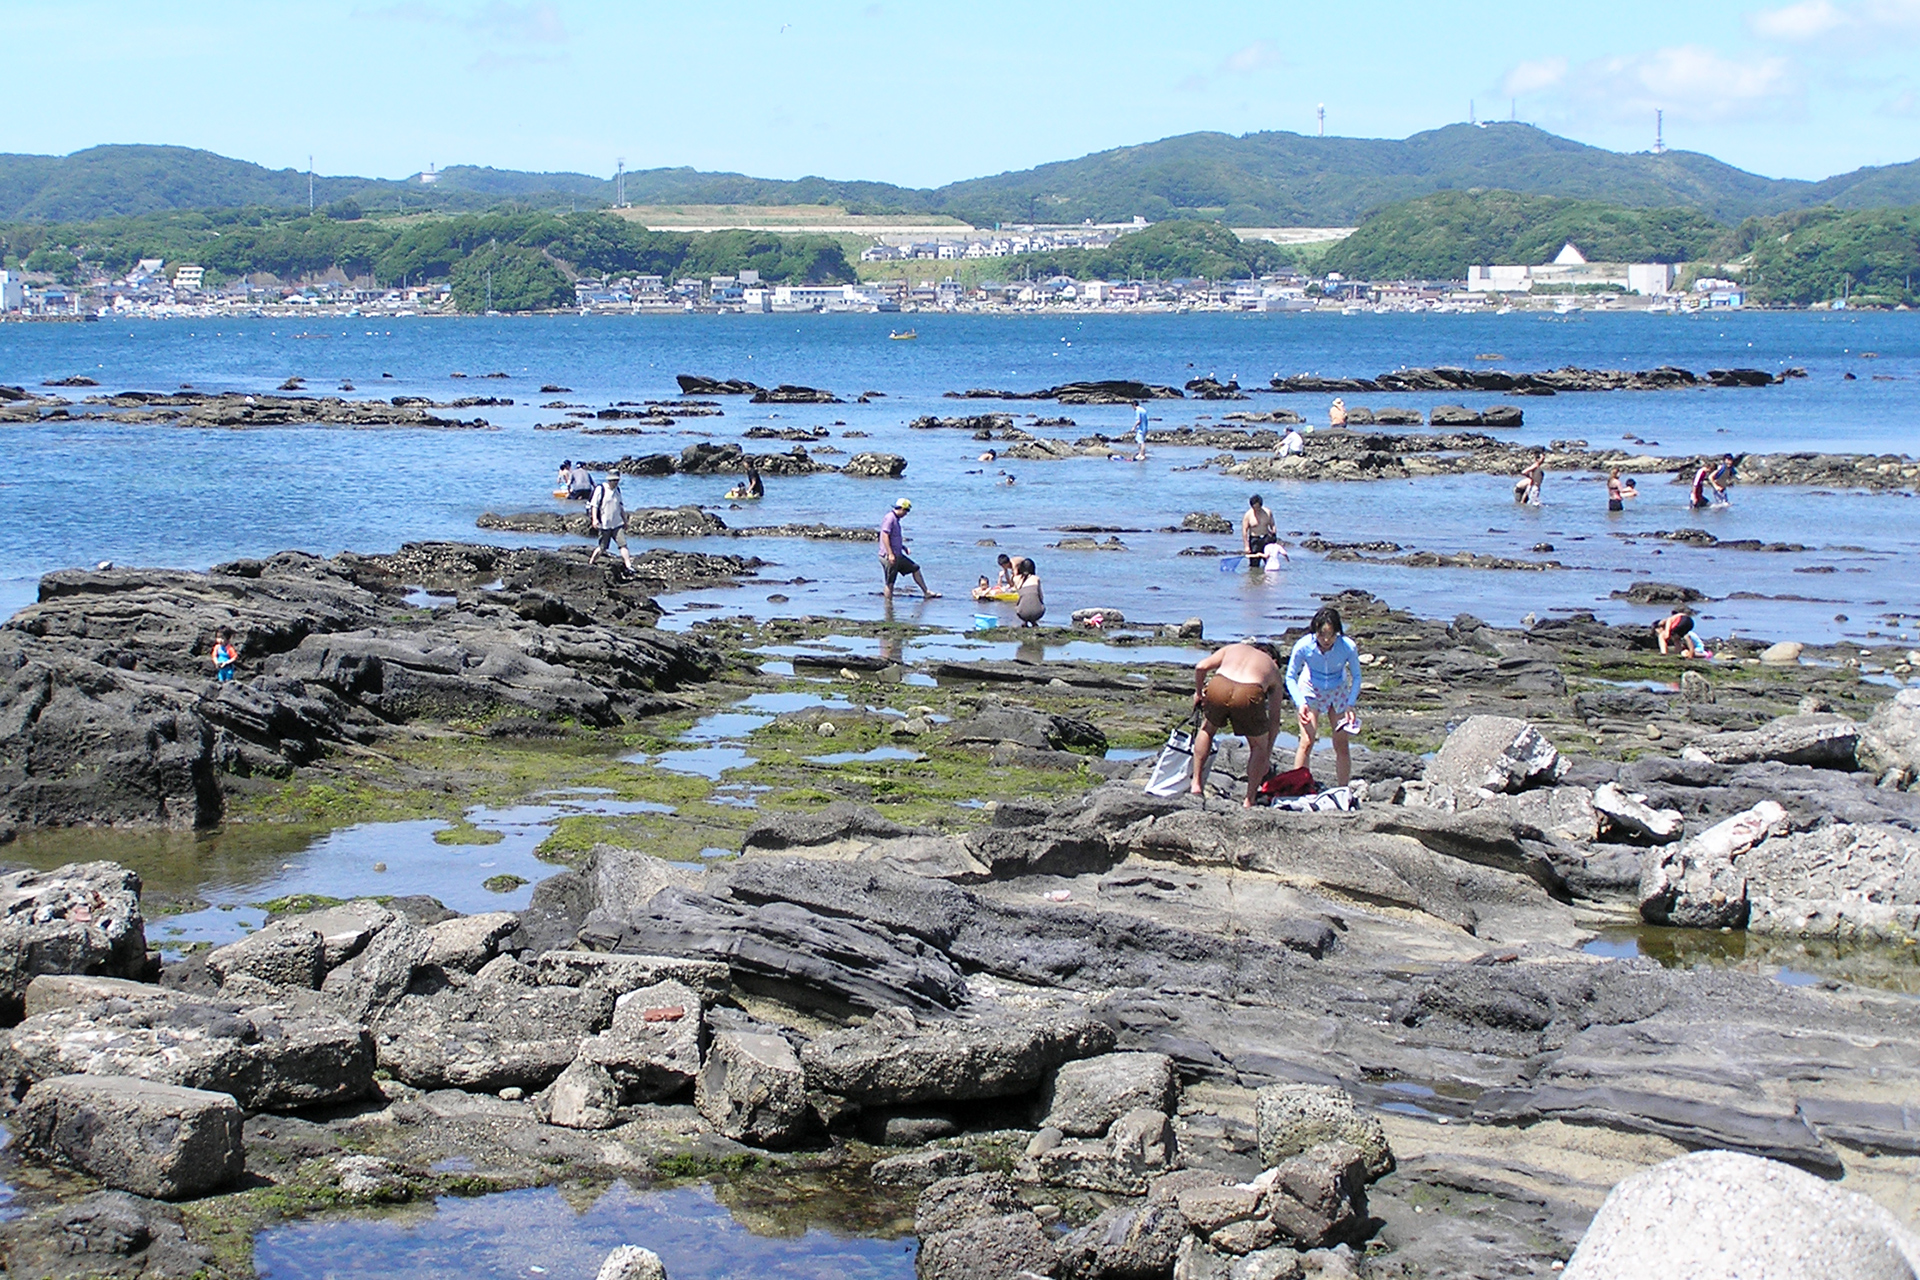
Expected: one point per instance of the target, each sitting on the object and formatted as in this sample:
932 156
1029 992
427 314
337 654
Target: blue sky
928 93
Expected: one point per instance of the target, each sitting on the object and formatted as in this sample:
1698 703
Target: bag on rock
1338 800
1173 771
1292 782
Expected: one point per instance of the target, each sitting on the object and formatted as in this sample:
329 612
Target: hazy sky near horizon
922 94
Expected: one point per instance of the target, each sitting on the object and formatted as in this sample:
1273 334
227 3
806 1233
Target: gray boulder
709 979
1494 753
922 1168
82 918
898 1058
1138 1149
152 1139
487 1036
345 929
987 1249
875 466
1630 818
1085 1097
1319 1197
284 954
751 1089
954 1202
1889 745
584 1097
466 943
652 1050
267 1058
1044 731
1292 1118
52 991
1125 1241
1822 741
1719 1215
106 1234
372 984
1844 880
1702 883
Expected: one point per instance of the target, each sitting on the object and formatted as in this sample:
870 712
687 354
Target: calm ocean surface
77 493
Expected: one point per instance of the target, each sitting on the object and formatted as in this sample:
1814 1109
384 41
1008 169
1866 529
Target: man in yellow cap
894 560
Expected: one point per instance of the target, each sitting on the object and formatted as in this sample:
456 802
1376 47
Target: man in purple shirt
894 560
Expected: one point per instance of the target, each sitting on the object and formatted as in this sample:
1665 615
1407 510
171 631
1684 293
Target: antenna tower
620 183
1659 132
1472 116
1322 114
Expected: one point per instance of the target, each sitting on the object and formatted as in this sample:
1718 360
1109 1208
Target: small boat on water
897 336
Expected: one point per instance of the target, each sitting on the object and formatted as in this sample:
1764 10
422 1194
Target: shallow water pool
540 1233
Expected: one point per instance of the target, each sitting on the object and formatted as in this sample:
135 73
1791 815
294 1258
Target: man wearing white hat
894 560
608 515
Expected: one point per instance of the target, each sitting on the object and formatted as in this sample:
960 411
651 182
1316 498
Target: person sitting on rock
1323 675
1293 444
1237 685
1337 413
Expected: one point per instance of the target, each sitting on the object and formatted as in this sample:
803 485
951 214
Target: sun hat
903 504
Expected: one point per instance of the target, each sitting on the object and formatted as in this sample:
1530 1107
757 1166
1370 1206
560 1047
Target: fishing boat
897 336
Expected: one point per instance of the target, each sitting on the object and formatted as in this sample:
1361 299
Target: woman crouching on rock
1323 675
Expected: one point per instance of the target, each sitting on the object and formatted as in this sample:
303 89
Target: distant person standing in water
607 512
894 559
1337 413
1032 605
1697 497
1618 491
1526 490
224 655
1140 431
1257 533
1722 477
580 485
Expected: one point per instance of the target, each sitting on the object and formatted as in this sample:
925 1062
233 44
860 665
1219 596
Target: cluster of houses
153 288
970 245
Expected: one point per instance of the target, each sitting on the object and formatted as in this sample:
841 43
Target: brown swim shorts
1232 702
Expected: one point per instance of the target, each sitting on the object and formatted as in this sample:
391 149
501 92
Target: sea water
75 493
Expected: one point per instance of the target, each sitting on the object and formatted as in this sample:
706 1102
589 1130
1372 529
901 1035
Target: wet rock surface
109 715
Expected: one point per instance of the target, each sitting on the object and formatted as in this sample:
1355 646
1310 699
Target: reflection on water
536 1232
1796 962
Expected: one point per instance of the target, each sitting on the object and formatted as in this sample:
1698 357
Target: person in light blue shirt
1323 677
1140 431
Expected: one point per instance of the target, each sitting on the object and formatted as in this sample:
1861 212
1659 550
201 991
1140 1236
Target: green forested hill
1440 236
1261 179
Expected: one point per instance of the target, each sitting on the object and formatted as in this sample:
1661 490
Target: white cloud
1802 21
1258 56
1532 77
1820 20
1688 81
516 23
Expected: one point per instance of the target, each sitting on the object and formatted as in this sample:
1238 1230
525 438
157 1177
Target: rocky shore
1081 1032
235 410
1545 383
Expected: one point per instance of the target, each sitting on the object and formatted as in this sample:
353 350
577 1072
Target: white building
13 294
1650 278
187 279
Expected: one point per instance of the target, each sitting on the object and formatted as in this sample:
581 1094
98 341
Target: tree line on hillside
1186 249
1796 258
234 243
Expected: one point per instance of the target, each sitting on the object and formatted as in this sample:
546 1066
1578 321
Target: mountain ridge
1271 178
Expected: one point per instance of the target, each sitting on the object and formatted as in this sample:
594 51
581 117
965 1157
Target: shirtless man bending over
1239 685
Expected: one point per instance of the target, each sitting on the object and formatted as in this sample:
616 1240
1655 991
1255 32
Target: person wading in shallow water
1323 675
1238 685
894 559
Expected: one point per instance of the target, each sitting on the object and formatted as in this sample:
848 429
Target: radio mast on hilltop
620 183
1322 114
1659 132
